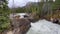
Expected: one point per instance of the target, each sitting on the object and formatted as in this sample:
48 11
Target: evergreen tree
4 12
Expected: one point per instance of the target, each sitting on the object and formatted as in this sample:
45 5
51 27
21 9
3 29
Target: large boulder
20 26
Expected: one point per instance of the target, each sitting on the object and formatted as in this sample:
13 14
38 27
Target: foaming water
44 27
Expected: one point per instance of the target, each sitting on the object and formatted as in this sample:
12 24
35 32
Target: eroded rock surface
20 26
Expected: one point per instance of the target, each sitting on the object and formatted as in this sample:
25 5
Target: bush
4 23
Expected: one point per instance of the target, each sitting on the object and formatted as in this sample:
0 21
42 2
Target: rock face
20 26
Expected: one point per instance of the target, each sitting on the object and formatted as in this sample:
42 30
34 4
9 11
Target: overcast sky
20 3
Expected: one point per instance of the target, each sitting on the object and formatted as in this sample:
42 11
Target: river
44 27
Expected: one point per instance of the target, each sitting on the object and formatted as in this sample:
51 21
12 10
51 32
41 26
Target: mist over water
44 27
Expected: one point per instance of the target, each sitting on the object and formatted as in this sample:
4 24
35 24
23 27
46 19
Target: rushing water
44 27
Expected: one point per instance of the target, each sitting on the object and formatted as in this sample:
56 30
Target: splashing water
44 27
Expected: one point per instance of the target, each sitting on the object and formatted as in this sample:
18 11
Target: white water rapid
44 27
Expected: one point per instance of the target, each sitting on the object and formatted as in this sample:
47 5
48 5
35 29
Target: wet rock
20 26
55 20
20 23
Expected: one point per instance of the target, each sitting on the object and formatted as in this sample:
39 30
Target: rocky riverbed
23 25
42 27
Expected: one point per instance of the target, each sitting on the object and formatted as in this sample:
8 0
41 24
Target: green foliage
4 20
4 23
19 10
56 4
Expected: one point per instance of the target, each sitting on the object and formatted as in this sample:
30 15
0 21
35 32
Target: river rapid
44 27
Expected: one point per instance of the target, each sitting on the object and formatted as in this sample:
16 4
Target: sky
20 3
